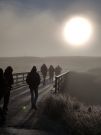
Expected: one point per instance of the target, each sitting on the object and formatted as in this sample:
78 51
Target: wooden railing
60 80
19 77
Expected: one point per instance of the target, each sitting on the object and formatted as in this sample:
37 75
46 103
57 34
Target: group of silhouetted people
33 80
51 70
6 81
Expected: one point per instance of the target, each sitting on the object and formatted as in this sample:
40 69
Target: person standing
51 73
58 70
33 80
44 73
2 84
2 92
8 76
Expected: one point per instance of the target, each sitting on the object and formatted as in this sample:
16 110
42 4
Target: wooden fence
60 80
21 77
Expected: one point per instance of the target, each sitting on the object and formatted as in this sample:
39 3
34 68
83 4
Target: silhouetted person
2 92
2 84
44 73
33 80
58 70
51 73
8 76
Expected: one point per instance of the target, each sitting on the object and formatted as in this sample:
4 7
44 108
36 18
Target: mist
35 32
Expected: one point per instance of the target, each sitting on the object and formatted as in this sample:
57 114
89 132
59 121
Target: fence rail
21 77
60 80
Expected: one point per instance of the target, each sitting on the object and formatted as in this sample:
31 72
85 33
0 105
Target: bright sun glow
77 31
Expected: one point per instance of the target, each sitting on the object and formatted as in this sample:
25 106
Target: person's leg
52 77
32 96
6 100
1 95
36 95
2 116
35 98
44 81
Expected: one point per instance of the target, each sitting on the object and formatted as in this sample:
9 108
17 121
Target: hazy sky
34 27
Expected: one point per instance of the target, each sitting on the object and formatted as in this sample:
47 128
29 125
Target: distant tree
44 73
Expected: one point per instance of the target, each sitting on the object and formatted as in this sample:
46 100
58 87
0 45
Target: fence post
59 81
23 77
55 84
16 78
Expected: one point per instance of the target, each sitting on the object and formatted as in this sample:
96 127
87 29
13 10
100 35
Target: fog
30 31
26 35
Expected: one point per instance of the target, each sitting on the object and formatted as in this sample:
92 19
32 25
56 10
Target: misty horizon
57 56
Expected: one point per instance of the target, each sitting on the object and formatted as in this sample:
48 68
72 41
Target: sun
77 31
